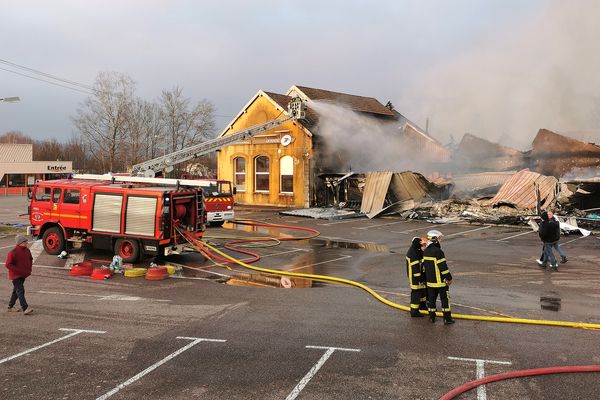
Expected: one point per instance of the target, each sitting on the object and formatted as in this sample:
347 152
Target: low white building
19 171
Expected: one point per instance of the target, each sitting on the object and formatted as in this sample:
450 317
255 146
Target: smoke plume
543 73
359 143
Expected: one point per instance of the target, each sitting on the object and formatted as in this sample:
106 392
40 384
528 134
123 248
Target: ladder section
200 211
166 162
138 179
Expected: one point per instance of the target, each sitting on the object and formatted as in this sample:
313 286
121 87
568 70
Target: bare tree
46 150
145 131
75 151
102 119
15 137
185 125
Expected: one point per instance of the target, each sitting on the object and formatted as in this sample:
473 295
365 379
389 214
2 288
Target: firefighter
416 276
437 276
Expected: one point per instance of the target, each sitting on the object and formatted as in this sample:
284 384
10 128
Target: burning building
340 133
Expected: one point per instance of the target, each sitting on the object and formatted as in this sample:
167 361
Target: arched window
239 174
286 172
261 174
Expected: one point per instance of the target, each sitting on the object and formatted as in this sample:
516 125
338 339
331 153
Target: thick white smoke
360 143
540 74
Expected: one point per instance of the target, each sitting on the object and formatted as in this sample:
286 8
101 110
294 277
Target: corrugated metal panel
376 187
472 182
409 186
10 152
107 213
519 190
141 216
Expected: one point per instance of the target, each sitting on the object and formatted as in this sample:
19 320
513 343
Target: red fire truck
218 201
131 216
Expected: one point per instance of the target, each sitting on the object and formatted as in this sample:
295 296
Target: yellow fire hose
325 278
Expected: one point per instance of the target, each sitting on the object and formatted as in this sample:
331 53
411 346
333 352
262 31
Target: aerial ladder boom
166 162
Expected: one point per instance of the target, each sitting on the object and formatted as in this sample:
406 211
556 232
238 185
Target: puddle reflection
340 244
550 301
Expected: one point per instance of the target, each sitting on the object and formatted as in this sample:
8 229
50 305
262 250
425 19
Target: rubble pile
480 182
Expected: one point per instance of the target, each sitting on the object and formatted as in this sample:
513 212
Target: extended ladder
166 162
139 179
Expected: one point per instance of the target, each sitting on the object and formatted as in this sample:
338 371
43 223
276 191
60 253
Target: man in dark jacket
550 234
416 277
19 262
438 276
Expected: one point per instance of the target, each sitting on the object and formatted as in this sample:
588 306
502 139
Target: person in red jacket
18 263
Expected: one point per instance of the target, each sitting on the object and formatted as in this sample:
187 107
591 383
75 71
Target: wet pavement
262 341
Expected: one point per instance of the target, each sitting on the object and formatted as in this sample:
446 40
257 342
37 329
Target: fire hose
204 247
519 374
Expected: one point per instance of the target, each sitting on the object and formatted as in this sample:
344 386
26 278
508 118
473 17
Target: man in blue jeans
550 235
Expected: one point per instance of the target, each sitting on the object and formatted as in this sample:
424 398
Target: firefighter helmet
434 234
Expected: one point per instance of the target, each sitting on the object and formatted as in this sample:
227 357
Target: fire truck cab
131 219
218 201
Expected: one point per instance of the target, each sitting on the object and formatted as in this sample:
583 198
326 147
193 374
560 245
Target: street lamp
10 99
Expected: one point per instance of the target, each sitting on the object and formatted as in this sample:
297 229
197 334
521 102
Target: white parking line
36 249
73 333
151 368
419 229
337 239
380 225
345 221
571 241
283 252
471 230
304 381
118 297
480 372
514 236
40 266
319 263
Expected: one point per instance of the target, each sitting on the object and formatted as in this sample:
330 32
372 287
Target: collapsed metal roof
555 154
397 191
479 184
525 188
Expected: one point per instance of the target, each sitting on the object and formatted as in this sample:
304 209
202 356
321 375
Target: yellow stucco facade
270 171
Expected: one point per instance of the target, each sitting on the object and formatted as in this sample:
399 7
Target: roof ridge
332 91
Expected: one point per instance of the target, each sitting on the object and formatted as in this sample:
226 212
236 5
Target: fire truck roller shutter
141 215
107 213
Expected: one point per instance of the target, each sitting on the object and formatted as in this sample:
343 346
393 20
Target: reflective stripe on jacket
436 268
415 273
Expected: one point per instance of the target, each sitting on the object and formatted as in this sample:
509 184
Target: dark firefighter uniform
416 277
436 273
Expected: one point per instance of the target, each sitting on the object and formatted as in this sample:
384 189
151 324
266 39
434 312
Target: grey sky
451 61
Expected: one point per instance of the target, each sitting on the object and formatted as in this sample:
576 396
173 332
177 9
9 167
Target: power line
43 80
35 71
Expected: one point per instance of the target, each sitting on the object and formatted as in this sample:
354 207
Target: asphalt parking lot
194 337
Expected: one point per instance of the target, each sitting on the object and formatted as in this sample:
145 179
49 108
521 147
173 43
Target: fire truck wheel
217 223
53 240
128 249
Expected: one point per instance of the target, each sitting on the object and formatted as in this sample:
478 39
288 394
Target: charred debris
479 181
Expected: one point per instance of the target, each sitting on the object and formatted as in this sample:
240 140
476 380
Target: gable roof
278 100
356 103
